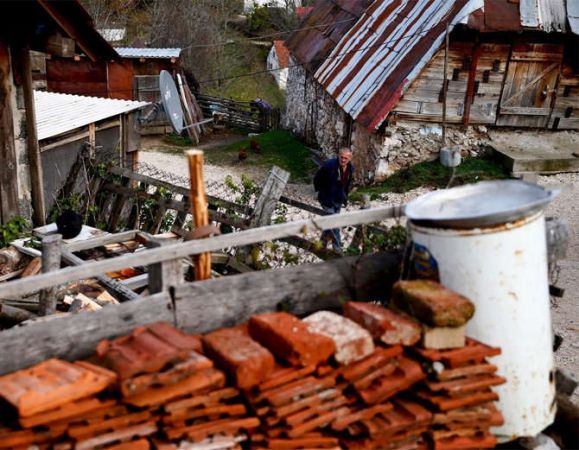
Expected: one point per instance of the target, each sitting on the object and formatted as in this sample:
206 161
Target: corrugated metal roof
136 52
573 15
383 53
546 15
59 113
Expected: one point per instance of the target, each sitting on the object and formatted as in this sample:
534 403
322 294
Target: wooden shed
58 28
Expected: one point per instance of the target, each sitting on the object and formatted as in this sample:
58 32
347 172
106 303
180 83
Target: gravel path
565 313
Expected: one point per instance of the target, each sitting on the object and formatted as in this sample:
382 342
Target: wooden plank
525 111
101 240
51 258
204 306
179 250
268 198
114 287
164 275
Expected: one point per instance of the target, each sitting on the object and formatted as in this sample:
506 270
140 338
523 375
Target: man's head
344 156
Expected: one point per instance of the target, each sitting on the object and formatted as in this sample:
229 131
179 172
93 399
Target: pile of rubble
373 377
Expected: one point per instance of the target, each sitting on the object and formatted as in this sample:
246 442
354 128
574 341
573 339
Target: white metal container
503 270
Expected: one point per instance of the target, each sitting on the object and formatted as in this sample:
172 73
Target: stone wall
316 118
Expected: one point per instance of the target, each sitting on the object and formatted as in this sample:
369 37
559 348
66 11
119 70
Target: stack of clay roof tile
363 380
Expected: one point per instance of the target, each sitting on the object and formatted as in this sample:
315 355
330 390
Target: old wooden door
530 85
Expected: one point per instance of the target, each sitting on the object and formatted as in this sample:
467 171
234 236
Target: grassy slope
433 174
278 147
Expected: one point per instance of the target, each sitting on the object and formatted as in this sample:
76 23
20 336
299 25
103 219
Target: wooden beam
206 305
58 45
180 250
9 166
33 150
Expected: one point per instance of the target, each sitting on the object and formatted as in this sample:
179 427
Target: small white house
248 5
278 63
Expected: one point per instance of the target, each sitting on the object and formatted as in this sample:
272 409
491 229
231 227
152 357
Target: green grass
433 174
278 147
240 59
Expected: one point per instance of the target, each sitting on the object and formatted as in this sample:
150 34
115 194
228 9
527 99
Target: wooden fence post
51 256
269 197
199 209
166 274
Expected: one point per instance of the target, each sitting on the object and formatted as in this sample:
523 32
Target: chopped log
14 315
300 290
51 258
32 268
10 258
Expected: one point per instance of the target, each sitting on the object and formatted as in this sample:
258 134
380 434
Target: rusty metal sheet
385 50
501 15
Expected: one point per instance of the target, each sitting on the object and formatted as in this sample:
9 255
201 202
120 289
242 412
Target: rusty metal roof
384 51
322 29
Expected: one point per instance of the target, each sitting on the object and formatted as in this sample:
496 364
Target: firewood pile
373 377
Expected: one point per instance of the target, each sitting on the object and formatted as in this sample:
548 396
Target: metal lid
481 204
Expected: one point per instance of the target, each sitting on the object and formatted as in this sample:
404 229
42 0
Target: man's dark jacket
331 191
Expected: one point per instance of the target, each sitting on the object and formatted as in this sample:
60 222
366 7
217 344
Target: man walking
332 183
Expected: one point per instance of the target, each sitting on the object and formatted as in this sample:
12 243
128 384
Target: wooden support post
166 274
199 209
51 256
37 189
445 83
269 197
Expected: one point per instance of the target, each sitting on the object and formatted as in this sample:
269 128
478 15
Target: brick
211 398
305 415
384 324
246 361
147 349
466 385
300 388
223 426
68 411
84 431
306 402
361 414
445 402
443 337
51 384
321 442
282 376
432 303
319 422
289 339
477 369
483 440
139 444
203 379
353 342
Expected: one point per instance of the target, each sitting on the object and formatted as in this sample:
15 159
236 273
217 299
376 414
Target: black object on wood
69 224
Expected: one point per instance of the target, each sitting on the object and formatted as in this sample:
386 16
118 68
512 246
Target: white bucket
503 270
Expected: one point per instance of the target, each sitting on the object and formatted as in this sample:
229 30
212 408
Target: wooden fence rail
195 247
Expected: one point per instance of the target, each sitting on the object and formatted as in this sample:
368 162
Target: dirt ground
565 312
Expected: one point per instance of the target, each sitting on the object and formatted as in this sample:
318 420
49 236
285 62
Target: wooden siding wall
82 77
500 84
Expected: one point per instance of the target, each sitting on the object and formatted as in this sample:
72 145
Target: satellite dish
171 101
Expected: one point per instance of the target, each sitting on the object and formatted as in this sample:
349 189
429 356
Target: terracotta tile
52 383
141 430
432 303
305 387
474 351
211 412
385 370
242 358
285 375
302 416
465 385
446 403
305 442
468 416
208 399
360 414
175 337
384 324
310 401
353 342
406 374
289 339
100 427
107 411
23 438
66 412
485 440
203 379
179 372
460 372
139 444
319 422
223 426
378 358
